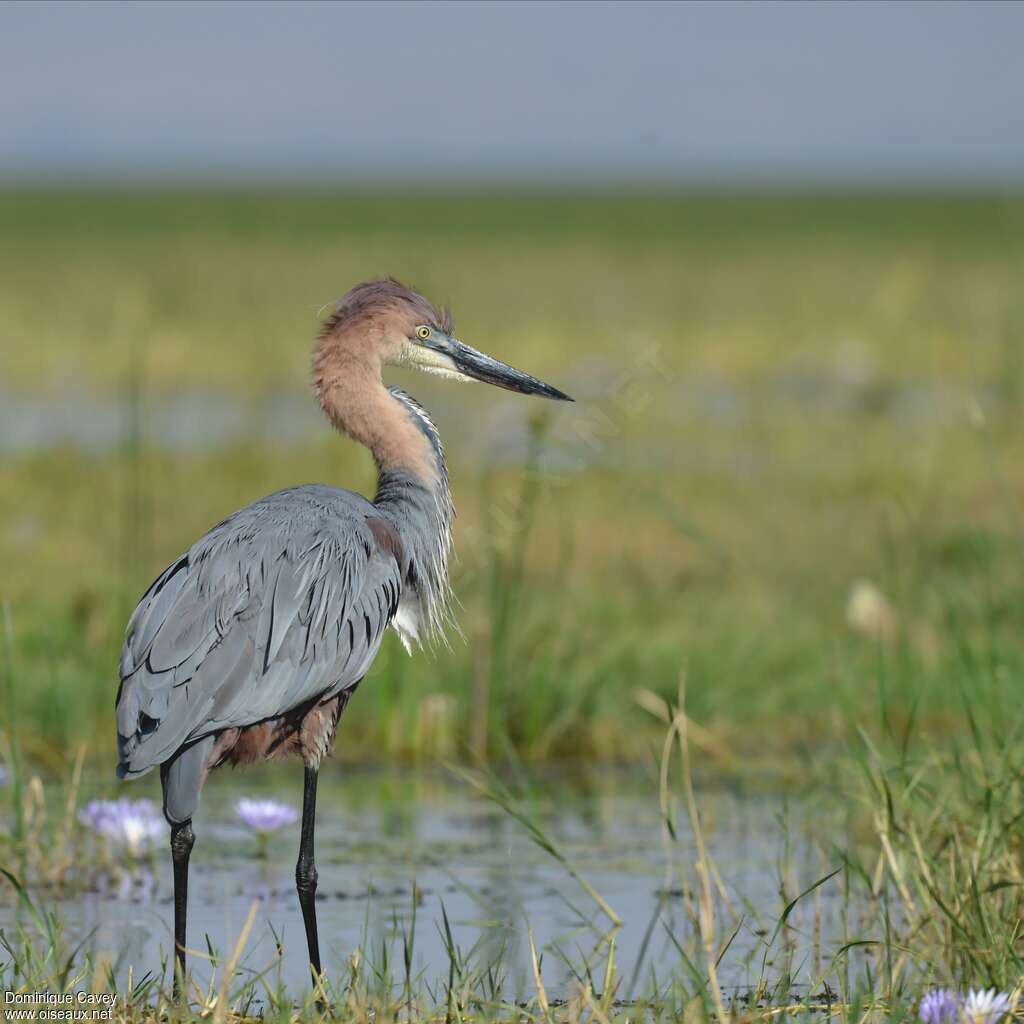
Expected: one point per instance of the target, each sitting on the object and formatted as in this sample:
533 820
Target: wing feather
283 602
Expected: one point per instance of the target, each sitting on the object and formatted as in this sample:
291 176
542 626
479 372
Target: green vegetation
778 396
930 882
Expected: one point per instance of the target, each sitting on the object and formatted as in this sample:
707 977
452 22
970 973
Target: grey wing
282 603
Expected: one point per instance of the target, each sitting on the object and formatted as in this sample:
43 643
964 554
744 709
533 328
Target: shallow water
198 420
378 838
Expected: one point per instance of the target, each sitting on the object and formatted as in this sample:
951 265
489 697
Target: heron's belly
308 732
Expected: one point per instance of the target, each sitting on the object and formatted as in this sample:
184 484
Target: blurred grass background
778 395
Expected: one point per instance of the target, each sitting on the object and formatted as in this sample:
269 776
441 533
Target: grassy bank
927 870
778 396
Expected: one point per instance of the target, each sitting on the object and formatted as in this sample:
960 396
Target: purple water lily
131 824
265 816
940 1006
981 1006
986 1006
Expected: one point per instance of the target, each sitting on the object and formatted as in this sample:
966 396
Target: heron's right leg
182 840
305 870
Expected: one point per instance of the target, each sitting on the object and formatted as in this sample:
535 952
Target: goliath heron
250 645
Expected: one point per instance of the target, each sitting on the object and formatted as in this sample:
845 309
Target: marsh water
398 853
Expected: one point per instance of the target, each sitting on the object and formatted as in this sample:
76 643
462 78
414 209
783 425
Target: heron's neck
358 405
422 511
412 483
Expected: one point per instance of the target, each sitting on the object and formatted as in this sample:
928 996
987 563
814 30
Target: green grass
833 396
929 871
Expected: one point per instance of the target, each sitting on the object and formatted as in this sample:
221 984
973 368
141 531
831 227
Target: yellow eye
423 332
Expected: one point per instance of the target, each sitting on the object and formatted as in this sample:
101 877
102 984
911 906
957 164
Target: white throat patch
429 360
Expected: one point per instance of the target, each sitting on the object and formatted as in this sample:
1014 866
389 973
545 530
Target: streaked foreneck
412 486
422 512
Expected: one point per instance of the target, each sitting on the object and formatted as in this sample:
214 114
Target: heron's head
392 325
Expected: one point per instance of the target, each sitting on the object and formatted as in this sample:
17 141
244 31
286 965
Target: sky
426 91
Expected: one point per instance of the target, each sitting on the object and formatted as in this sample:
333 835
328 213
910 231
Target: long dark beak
479 366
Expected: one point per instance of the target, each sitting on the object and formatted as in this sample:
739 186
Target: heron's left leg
305 870
182 839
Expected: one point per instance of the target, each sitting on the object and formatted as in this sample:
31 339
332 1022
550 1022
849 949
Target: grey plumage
250 645
425 516
284 602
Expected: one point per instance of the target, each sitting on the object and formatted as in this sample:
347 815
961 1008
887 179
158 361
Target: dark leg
181 846
305 871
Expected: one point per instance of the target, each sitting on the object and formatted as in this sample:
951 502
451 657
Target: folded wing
284 602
